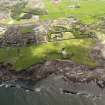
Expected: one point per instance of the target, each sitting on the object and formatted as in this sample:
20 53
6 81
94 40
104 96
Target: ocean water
49 92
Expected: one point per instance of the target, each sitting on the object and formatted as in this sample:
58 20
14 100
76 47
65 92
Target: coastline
70 71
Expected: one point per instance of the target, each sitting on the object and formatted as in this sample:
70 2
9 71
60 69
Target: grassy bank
26 56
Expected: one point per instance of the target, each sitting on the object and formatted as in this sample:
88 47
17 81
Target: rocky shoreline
70 71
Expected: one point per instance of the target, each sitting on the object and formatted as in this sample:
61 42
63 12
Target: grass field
89 12
35 54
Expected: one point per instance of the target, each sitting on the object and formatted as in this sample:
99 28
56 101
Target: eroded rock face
70 71
98 53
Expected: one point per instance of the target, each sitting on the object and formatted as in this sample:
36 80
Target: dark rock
70 70
101 83
69 92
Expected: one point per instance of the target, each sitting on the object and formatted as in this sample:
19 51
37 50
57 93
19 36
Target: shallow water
49 92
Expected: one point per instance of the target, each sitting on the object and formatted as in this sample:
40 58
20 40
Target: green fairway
90 10
36 54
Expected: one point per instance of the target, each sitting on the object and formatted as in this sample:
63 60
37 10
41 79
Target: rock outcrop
69 69
22 36
98 53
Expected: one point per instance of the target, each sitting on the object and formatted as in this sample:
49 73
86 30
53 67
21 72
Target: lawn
50 51
89 12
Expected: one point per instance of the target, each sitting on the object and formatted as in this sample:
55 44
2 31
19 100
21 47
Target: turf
26 56
89 12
